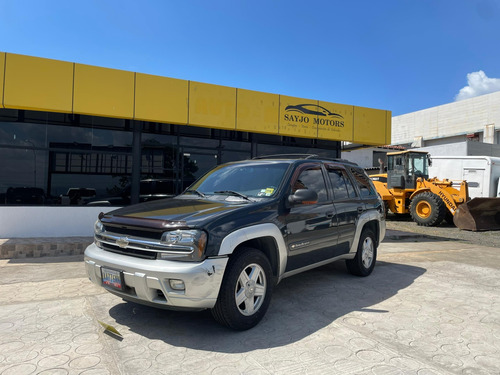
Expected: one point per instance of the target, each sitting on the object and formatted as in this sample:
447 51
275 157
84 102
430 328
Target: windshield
418 165
257 180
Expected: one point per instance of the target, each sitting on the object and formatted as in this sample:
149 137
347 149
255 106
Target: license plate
112 278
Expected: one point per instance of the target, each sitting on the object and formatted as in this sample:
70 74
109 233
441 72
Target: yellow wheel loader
407 188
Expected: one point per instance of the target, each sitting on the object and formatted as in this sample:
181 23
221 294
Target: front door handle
329 214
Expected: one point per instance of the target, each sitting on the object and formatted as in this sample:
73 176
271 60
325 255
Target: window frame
346 175
326 183
371 188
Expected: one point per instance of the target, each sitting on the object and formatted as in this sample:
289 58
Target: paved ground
444 231
430 307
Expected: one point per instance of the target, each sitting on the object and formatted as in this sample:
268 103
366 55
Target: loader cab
403 168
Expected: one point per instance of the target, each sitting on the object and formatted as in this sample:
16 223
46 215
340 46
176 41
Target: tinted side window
366 189
342 185
312 179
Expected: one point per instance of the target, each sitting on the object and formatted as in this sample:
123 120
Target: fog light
177 284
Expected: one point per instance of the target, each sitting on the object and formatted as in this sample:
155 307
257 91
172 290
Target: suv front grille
127 243
144 254
141 233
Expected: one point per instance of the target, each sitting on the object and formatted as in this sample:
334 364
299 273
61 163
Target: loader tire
427 209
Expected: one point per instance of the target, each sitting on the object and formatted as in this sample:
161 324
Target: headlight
183 245
98 227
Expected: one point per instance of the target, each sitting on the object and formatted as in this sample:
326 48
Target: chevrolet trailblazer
236 232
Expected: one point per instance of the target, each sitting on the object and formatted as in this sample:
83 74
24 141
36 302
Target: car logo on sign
312 109
122 242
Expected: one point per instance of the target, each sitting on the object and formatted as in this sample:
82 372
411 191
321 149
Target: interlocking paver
428 308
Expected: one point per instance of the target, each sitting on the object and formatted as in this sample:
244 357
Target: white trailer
482 173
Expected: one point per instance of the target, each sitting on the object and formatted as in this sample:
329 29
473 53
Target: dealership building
74 137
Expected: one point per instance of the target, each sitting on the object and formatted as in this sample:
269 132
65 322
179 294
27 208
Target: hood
191 212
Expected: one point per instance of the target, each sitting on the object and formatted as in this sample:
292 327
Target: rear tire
245 291
427 209
366 255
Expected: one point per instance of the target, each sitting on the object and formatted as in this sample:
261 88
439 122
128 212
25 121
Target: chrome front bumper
147 281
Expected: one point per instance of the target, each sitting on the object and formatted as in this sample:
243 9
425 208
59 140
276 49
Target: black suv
236 232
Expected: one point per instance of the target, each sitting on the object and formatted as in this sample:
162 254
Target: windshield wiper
196 192
232 192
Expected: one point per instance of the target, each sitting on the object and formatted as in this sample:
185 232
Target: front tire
366 255
245 291
427 209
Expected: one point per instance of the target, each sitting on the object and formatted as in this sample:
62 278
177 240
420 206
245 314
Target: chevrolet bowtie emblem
122 242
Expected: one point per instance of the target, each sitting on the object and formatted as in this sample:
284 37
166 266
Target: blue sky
398 55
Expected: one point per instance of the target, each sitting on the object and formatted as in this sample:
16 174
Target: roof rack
287 156
302 156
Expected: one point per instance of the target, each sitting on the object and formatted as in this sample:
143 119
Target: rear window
342 185
366 188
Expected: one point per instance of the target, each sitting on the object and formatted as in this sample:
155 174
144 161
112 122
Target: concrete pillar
418 142
489 134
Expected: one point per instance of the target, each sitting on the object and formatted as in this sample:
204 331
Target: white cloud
478 84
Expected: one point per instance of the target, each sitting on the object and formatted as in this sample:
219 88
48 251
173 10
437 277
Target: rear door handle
329 214
360 210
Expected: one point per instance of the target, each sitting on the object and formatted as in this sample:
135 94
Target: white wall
465 148
452 149
363 157
366 157
24 222
462 117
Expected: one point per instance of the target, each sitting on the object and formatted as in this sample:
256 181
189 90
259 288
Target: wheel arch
266 238
373 221
266 245
374 226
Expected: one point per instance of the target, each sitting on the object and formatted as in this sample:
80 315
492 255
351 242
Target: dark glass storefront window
44 154
64 159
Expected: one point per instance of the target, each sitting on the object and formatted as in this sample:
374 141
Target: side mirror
303 196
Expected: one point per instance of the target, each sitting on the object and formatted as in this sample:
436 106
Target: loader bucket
478 214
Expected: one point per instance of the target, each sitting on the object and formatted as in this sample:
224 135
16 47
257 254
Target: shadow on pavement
300 306
402 236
